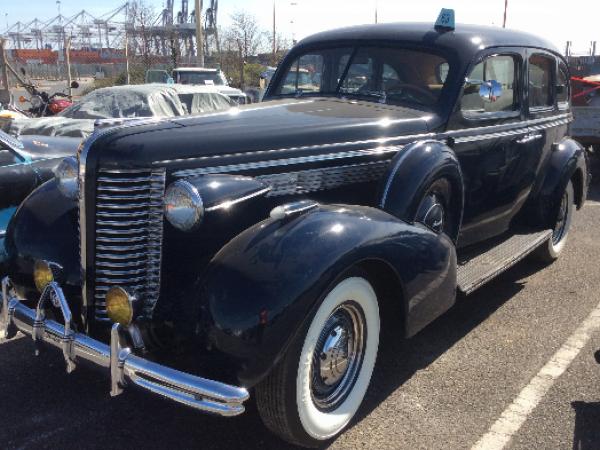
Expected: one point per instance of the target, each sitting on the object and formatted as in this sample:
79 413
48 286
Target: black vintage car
390 166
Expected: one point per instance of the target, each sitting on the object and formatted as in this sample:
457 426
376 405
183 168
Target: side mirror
74 85
490 91
22 99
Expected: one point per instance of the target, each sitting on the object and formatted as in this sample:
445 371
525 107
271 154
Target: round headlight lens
42 275
183 206
67 174
36 101
119 306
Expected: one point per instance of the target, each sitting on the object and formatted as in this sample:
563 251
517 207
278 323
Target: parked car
209 77
24 165
124 102
586 112
266 247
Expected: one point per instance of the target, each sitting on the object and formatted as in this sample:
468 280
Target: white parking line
516 414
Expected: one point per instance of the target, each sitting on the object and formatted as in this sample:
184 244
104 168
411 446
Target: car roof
150 88
195 69
469 38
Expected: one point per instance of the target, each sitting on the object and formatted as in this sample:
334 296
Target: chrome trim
116 360
287 161
229 203
460 136
291 209
392 140
137 248
313 180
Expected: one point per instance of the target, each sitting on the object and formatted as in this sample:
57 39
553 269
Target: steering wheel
421 92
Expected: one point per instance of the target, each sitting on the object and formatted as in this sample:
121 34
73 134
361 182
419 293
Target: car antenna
445 21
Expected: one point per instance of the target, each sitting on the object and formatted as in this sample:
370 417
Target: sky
558 21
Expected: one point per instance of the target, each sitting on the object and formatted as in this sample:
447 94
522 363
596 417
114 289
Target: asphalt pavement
450 387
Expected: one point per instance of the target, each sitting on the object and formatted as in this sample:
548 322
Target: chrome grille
129 233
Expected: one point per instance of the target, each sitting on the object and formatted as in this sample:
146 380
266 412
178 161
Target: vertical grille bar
129 234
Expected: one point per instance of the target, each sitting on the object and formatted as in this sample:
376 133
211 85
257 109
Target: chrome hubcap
561 222
338 356
431 213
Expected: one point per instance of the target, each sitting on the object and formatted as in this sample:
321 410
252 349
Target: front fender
412 172
44 227
261 287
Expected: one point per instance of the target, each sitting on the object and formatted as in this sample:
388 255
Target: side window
305 75
562 83
390 77
492 86
361 74
541 89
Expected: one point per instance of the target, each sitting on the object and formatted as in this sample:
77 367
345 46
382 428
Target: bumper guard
116 359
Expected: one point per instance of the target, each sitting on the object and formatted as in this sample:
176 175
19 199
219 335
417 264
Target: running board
476 269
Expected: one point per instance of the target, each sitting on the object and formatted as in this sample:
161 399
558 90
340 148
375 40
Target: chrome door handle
530 138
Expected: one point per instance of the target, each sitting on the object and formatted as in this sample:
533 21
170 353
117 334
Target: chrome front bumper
116 359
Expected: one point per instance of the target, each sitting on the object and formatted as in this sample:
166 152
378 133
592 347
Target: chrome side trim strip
537 124
313 180
229 203
287 162
392 140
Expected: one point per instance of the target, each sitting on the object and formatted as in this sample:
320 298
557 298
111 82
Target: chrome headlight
36 101
183 206
67 175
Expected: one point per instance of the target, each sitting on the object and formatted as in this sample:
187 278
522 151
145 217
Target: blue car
25 164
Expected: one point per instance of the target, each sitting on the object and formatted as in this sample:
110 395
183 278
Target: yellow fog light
119 306
42 275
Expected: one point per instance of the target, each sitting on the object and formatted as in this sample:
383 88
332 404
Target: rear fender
412 172
263 285
567 161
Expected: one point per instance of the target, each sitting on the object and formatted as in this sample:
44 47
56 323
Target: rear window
541 69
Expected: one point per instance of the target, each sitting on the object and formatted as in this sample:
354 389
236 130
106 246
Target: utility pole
5 91
274 34
376 11
68 61
505 9
199 34
128 79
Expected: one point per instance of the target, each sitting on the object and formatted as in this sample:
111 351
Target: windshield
387 75
199 78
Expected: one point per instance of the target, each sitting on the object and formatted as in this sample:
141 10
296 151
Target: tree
241 40
141 16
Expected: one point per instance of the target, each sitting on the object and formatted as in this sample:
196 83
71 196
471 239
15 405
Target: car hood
290 124
45 147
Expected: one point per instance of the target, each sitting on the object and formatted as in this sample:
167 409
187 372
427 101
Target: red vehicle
44 104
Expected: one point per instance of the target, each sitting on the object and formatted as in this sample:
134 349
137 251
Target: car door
547 107
490 139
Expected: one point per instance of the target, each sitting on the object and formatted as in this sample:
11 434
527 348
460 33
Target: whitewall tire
319 386
551 249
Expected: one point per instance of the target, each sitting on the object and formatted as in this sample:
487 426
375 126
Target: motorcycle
44 104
